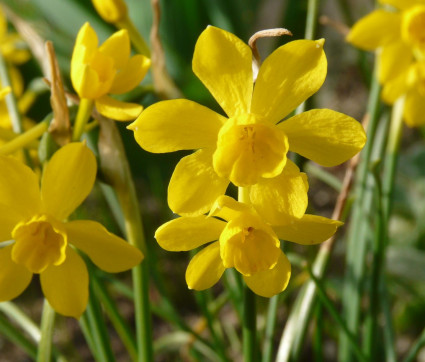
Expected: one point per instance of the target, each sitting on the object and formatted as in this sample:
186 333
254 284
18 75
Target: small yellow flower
108 69
34 219
112 11
249 147
243 241
399 35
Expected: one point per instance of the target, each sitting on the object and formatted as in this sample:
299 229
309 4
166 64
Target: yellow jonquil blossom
399 36
34 219
244 242
98 71
112 11
249 147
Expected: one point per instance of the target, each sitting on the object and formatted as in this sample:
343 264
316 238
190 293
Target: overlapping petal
395 88
324 136
131 75
394 59
108 251
187 233
290 75
205 268
223 63
64 188
308 230
14 278
176 125
117 46
117 110
271 282
19 188
66 286
286 192
376 29
228 208
187 194
414 108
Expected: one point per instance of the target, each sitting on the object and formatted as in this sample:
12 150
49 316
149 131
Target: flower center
249 245
39 243
249 148
413 28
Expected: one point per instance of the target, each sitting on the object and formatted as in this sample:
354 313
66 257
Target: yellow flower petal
205 268
117 46
290 75
67 179
66 286
9 218
324 136
414 109
187 233
86 37
14 278
223 63
187 193
117 110
227 208
393 60
271 282
131 75
249 245
376 29
174 125
108 251
281 197
19 188
111 11
308 230
395 88
86 83
248 149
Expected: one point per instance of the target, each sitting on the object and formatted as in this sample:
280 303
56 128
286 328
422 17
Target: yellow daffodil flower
249 147
243 241
108 69
398 33
112 11
33 219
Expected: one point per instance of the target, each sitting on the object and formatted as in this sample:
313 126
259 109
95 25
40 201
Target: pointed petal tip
320 43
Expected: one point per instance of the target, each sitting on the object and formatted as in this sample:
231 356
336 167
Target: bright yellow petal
86 83
290 75
117 46
68 179
414 109
271 282
205 269
86 37
9 219
395 88
66 286
14 278
187 233
108 251
117 110
174 125
376 29
227 208
131 75
308 230
19 188
111 11
393 60
223 63
194 185
324 136
281 197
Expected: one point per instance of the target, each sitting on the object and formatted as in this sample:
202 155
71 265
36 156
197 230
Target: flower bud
112 11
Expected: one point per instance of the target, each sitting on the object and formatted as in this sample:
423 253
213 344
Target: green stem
135 36
83 115
270 327
249 326
420 342
12 105
44 352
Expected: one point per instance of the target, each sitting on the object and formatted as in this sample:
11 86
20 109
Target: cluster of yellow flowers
397 31
248 149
